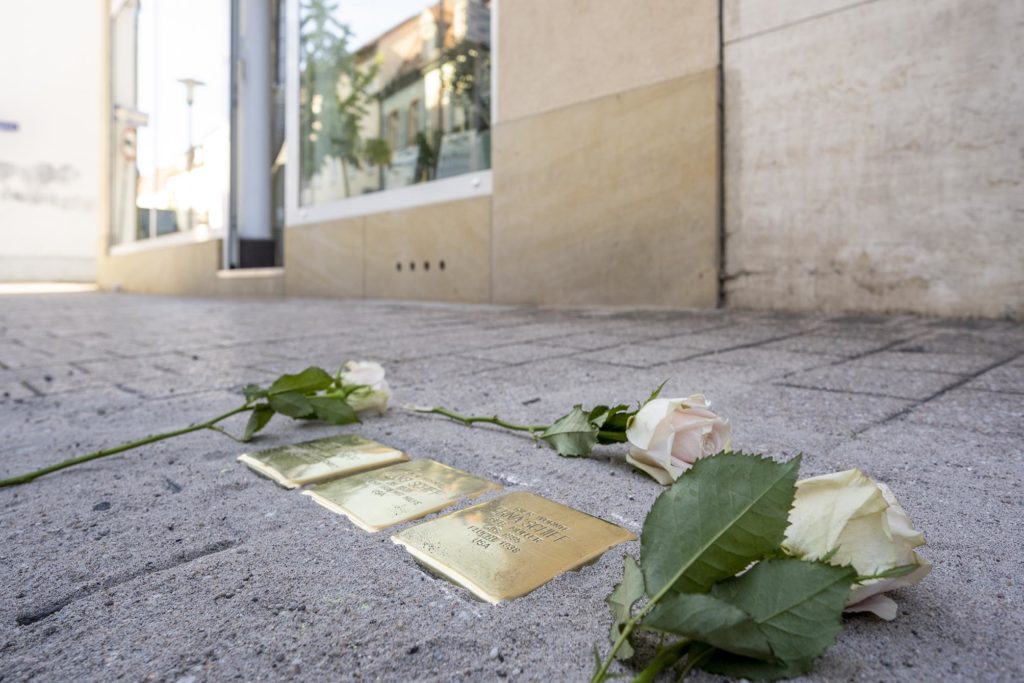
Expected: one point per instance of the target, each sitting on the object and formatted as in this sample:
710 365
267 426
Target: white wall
51 85
874 155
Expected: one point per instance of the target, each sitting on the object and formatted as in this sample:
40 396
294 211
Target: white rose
668 435
863 522
374 392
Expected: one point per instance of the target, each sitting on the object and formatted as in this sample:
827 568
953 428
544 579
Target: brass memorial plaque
320 460
509 546
392 495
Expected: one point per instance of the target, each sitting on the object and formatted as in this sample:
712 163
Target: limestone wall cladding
874 155
605 174
555 53
437 252
605 153
190 269
613 201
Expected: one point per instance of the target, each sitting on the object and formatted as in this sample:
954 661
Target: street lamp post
190 93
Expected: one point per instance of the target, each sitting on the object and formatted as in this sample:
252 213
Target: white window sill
163 241
466 186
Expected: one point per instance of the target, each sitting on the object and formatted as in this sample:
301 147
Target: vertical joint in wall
721 154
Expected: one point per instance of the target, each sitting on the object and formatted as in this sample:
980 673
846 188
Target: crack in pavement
941 392
39 613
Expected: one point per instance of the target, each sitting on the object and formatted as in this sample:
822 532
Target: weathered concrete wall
874 155
51 87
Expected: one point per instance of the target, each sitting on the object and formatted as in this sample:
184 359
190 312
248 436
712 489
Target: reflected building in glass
408 106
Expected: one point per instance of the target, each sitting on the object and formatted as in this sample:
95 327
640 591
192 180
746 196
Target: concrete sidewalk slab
175 563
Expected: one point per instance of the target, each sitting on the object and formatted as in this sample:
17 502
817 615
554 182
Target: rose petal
663 474
880 605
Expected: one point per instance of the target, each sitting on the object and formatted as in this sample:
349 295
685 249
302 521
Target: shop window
391 94
170 153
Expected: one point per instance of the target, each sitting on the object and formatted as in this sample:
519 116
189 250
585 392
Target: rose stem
209 424
493 419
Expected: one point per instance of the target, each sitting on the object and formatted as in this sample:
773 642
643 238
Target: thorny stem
493 419
209 424
627 630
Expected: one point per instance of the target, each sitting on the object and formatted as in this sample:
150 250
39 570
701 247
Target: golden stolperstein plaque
392 495
320 460
509 546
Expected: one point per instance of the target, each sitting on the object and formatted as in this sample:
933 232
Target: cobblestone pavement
175 563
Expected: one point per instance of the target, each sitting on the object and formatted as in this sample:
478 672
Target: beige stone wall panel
556 53
457 233
325 259
612 201
873 160
189 269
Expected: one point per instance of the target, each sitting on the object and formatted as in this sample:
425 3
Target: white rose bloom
375 392
863 522
668 435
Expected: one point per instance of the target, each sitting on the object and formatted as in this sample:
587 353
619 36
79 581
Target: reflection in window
412 122
170 85
391 94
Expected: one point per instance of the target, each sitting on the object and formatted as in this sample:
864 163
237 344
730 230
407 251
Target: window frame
466 186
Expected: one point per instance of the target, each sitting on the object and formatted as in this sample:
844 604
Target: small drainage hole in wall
441 265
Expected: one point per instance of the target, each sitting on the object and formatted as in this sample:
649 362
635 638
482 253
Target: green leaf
258 419
655 394
735 666
292 404
727 511
621 601
796 605
600 416
597 415
610 422
618 418
253 392
572 435
308 381
666 657
333 410
708 619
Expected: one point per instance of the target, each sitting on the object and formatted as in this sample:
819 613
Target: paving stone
1006 378
859 379
958 363
639 355
810 410
172 562
977 411
993 344
515 353
53 378
734 336
763 364
829 346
